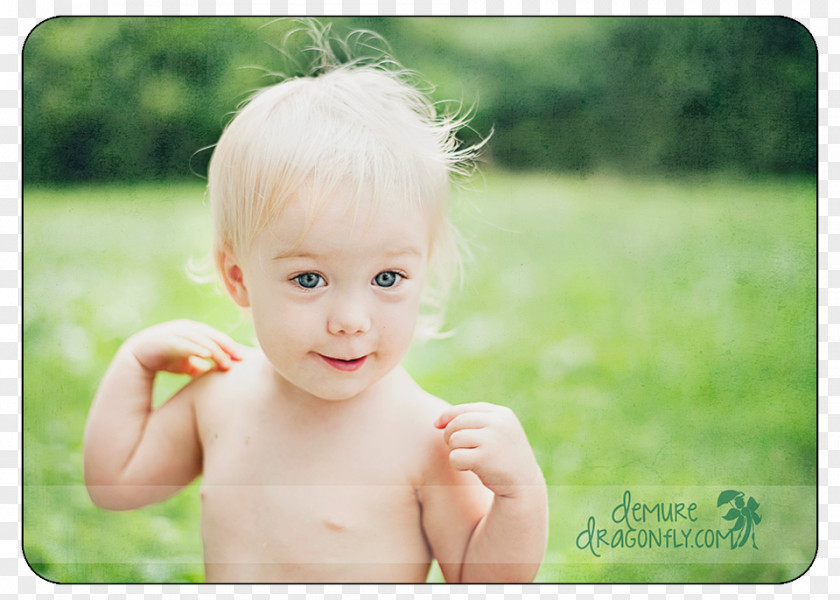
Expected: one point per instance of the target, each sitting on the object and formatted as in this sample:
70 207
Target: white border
17 19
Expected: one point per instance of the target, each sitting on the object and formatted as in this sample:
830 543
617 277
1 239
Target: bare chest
281 503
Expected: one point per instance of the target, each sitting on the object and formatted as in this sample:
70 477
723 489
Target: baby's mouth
344 365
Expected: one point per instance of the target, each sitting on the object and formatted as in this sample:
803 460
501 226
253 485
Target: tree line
126 98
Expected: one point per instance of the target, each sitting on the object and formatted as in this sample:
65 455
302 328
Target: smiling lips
344 365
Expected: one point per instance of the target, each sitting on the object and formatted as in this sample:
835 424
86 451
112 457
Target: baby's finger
464 438
469 419
197 366
176 357
464 422
210 337
205 347
459 409
224 341
463 459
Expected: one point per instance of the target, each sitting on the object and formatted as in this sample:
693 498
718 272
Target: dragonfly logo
743 513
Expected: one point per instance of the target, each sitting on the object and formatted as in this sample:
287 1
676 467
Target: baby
321 459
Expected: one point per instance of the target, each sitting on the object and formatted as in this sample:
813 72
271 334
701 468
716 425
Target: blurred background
571 95
642 289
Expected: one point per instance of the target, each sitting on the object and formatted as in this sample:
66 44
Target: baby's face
336 312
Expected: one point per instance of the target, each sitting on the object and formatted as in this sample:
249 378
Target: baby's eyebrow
391 253
297 254
405 251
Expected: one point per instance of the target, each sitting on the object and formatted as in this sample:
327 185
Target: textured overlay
19 17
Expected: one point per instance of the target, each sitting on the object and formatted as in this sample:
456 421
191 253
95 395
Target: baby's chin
314 379
330 387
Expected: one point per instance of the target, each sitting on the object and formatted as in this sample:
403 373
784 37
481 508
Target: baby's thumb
197 366
443 420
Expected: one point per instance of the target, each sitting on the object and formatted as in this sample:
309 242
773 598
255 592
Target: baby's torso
328 497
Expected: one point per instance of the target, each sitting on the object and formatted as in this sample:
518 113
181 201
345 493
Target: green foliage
675 94
646 332
127 98
133 98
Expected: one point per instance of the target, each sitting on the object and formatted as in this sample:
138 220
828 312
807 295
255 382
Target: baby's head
364 130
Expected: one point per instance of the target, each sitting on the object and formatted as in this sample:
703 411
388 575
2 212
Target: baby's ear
233 278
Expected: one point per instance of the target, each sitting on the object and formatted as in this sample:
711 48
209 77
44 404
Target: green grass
656 336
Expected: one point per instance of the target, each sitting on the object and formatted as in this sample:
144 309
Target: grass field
654 336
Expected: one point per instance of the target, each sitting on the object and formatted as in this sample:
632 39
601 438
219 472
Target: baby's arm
498 537
135 455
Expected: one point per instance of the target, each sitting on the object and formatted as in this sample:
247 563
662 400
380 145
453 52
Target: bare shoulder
418 412
243 379
429 405
418 408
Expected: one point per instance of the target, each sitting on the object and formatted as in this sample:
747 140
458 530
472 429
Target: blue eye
309 280
387 279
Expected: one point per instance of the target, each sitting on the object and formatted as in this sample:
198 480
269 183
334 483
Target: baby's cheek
397 330
281 328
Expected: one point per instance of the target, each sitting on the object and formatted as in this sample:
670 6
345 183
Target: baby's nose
350 315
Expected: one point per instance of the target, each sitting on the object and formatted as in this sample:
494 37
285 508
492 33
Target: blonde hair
365 125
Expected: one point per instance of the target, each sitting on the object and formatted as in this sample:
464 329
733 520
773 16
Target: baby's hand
184 347
489 441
